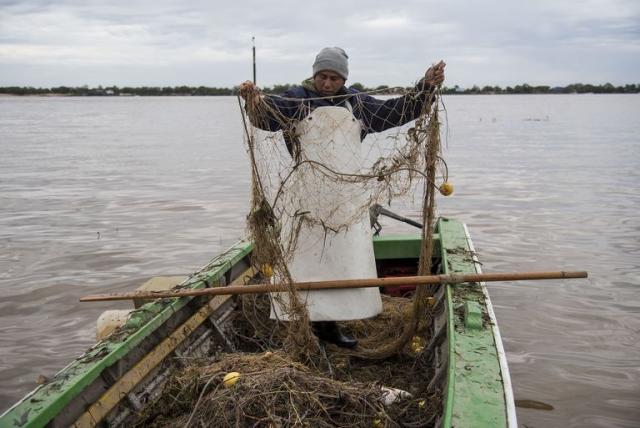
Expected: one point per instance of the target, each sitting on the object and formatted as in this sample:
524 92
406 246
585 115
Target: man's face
328 83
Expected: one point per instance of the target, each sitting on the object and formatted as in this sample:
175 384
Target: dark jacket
374 114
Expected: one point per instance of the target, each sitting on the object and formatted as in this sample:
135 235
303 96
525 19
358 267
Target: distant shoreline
187 95
111 91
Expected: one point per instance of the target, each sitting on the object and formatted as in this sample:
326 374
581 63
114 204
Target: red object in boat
398 270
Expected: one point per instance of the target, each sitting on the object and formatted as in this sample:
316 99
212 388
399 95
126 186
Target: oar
338 284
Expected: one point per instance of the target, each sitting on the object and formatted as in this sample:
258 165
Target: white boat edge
512 421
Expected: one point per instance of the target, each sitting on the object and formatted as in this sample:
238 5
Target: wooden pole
338 284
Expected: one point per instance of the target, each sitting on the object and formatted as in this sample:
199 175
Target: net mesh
287 378
400 160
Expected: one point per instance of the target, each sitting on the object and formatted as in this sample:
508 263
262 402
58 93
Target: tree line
118 91
575 88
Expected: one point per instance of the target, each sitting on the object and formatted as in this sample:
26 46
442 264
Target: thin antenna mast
253 40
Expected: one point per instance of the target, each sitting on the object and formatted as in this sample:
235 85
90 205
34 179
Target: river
100 194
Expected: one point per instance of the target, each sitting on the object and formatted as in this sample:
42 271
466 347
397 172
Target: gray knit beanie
334 59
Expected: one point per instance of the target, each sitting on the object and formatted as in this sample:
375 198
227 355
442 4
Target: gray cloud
45 43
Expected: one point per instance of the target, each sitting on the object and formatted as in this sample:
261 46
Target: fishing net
272 389
286 376
299 186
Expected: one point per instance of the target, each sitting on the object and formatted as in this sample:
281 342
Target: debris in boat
277 391
417 344
390 395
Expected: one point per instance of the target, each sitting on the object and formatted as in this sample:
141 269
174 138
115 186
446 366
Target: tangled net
397 162
275 390
287 377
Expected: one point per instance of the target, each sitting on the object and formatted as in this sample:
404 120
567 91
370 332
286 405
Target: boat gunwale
479 395
74 378
214 271
512 420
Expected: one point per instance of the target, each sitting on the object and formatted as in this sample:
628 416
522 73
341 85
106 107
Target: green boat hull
114 379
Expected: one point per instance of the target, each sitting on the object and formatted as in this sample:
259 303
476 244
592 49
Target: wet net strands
288 378
411 162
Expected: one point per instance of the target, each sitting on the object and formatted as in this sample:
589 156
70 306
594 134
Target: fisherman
327 88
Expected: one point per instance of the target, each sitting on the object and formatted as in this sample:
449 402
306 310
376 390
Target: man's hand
435 74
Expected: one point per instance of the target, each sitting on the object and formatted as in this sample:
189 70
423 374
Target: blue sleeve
379 115
279 110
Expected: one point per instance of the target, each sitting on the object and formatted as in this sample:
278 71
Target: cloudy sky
162 42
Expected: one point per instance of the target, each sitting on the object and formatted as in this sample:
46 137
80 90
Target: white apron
331 136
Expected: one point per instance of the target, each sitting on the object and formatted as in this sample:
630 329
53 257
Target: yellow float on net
446 188
267 270
230 379
417 344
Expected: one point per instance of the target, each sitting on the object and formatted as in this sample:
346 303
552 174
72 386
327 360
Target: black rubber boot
329 331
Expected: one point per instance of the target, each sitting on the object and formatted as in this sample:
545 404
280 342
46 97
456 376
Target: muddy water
99 194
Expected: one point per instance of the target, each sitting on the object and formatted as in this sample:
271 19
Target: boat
121 374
